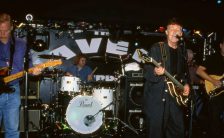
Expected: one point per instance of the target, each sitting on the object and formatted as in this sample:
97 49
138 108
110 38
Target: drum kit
88 109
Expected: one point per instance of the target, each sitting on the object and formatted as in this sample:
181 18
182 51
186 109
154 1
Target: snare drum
70 84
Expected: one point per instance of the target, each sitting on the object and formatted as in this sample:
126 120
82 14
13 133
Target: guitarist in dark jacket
212 71
164 116
12 52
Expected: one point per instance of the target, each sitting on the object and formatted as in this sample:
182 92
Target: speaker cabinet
34 121
33 88
134 115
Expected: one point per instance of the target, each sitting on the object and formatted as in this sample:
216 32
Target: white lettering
109 78
120 48
99 77
86 48
104 78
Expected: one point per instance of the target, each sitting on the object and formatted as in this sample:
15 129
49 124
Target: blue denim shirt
82 74
18 58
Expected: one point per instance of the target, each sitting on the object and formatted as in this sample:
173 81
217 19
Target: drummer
80 69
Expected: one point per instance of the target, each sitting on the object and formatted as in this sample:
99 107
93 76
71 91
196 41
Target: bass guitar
174 86
5 80
213 91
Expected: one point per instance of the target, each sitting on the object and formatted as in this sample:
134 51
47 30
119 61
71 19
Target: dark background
203 14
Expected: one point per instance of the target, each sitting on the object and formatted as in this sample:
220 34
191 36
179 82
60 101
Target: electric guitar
174 86
213 91
5 80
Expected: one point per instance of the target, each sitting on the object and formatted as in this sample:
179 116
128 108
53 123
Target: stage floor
198 131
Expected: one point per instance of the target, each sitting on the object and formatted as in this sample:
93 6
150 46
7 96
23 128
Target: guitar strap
7 88
12 50
163 53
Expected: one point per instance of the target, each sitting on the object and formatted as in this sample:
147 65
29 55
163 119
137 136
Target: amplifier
34 121
135 74
33 90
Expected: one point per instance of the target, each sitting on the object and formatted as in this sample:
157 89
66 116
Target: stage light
198 32
40 41
219 2
29 17
39 45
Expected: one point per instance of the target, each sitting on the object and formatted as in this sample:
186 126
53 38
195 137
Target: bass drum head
83 114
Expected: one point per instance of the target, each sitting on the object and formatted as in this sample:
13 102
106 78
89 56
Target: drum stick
94 70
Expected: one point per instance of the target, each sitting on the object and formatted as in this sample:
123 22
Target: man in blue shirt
80 69
12 53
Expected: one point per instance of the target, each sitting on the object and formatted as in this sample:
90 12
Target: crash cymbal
45 56
51 73
107 59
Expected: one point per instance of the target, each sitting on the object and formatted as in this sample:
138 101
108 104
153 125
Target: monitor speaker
134 115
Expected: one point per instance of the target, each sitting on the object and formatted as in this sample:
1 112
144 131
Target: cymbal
52 73
106 59
44 56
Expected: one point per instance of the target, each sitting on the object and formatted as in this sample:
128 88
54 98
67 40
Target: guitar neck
16 76
21 73
168 75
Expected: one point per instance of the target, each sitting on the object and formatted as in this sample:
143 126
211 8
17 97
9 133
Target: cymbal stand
116 118
123 123
122 65
58 106
55 96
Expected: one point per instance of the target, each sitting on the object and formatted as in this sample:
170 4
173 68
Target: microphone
180 38
89 119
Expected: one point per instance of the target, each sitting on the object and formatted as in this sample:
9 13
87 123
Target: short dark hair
174 21
78 57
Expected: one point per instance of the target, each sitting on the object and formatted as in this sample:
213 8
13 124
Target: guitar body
177 93
211 90
3 87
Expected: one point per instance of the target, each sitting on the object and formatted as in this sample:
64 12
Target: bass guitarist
164 116
212 70
12 53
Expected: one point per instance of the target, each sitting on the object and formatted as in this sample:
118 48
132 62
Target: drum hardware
86 111
52 56
123 123
89 119
86 88
52 73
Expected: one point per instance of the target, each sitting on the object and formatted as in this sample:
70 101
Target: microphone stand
190 105
26 70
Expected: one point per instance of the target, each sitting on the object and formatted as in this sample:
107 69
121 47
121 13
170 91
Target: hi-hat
51 56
